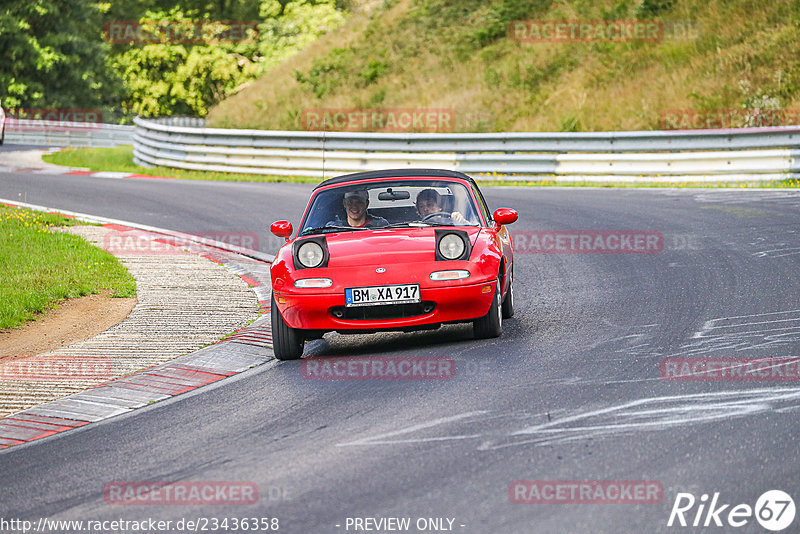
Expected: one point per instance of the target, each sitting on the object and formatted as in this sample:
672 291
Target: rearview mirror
393 195
503 216
282 229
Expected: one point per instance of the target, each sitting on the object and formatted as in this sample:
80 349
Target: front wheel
508 302
491 324
287 342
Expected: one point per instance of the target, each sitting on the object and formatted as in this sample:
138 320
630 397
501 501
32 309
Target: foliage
289 27
179 79
56 56
176 78
327 72
53 55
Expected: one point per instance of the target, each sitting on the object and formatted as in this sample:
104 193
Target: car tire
491 324
287 342
508 302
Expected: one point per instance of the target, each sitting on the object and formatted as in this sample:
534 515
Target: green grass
40 266
120 159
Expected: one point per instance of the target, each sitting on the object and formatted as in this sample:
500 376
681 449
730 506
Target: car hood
386 247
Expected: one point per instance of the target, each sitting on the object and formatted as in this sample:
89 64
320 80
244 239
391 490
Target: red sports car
392 250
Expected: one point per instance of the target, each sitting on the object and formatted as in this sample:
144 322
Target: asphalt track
571 391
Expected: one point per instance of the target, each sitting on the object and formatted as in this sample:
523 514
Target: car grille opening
383 311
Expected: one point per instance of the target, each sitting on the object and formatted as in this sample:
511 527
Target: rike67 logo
774 510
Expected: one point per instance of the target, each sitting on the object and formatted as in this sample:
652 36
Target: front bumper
452 303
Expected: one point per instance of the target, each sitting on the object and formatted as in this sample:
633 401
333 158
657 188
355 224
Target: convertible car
399 250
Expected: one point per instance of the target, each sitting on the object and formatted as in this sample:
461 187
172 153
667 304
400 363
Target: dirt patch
74 320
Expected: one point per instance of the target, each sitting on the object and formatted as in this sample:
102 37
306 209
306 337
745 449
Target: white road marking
676 411
752 315
374 440
640 415
721 334
776 253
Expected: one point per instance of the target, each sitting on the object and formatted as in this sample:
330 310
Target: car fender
487 252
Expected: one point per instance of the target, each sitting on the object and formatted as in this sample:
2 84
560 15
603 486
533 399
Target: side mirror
281 229
503 216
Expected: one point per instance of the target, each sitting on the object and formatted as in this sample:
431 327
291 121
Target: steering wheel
442 214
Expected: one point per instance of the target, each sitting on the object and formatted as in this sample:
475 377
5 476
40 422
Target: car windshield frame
456 195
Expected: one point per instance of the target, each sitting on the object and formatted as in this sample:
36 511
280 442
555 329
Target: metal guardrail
58 133
186 143
708 155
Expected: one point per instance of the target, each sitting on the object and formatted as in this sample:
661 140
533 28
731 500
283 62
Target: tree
53 55
176 78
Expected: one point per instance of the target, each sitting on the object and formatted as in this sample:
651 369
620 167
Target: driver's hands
458 218
439 214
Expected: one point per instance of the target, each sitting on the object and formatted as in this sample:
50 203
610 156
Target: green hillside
461 56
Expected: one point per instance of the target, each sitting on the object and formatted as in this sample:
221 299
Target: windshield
400 203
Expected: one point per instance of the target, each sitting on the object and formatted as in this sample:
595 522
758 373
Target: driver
428 204
429 207
355 206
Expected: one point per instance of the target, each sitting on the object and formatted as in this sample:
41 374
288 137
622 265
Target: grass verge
40 266
119 159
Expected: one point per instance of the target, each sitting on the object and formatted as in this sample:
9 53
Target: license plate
372 296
